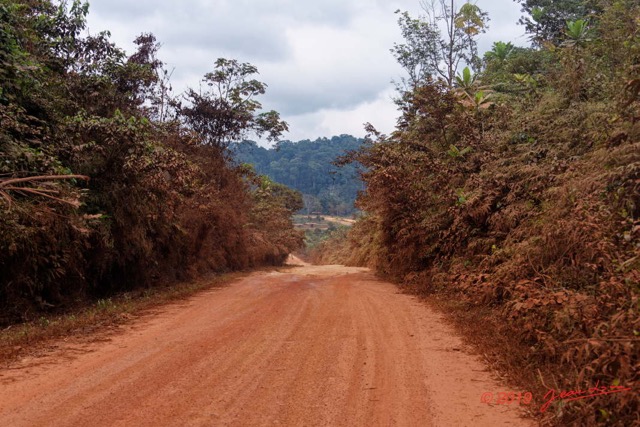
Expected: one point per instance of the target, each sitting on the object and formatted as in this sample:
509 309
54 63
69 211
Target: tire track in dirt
313 346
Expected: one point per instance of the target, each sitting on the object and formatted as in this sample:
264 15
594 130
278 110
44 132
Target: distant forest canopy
307 166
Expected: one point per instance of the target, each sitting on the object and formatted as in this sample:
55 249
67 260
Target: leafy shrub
148 195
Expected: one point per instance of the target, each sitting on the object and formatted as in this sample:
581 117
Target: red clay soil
312 346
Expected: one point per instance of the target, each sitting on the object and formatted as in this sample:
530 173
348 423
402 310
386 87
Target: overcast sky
326 62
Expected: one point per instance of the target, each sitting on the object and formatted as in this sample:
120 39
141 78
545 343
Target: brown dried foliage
538 222
102 187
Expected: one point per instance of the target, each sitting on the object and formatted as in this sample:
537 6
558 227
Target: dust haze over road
312 346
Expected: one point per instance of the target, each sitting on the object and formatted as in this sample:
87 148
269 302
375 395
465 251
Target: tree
427 52
419 54
226 110
499 52
311 204
152 84
472 21
496 63
547 18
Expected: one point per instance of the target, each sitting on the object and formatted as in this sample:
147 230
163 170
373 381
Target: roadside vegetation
513 187
109 182
99 317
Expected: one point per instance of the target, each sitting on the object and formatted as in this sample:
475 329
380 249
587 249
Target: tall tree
226 110
547 19
428 51
472 21
418 55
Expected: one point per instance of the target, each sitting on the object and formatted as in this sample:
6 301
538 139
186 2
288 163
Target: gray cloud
292 100
327 62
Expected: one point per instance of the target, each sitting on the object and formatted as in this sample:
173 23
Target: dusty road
312 346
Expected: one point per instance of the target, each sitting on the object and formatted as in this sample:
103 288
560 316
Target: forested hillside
107 181
514 185
307 166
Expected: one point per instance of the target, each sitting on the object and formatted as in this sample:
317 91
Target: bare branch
27 190
5 182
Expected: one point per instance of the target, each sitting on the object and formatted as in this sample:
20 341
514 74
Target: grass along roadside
506 358
35 337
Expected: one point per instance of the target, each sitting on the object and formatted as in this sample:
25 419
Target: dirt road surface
308 346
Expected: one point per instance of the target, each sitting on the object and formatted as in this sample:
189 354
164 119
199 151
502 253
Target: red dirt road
311 346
